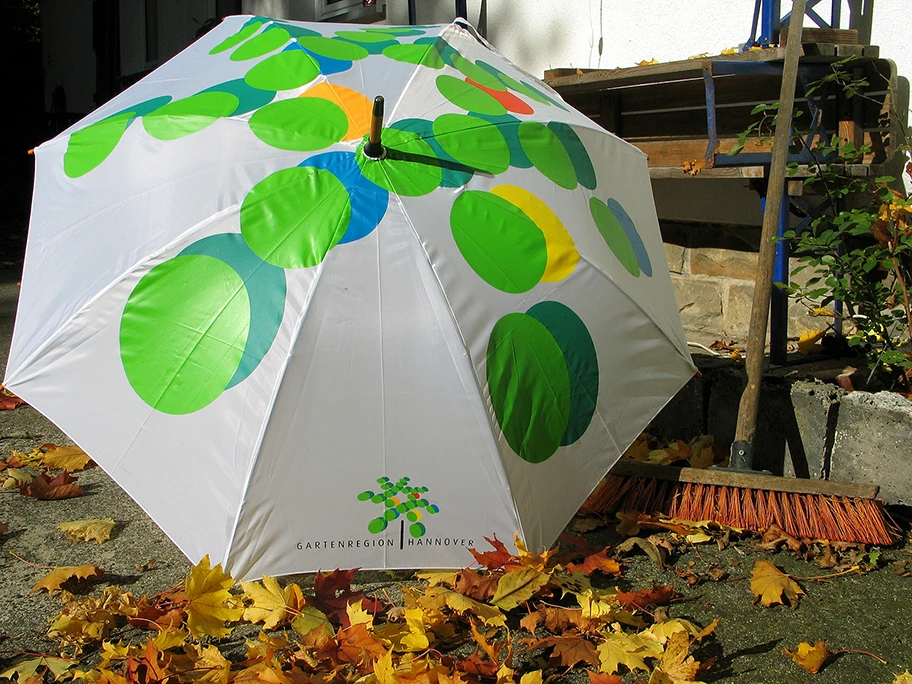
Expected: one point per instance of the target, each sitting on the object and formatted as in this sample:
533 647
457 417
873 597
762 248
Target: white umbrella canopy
296 357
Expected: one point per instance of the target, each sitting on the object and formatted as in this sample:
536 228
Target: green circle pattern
284 71
189 115
499 241
300 124
299 233
183 333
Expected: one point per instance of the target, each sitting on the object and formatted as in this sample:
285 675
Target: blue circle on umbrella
639 249
368 200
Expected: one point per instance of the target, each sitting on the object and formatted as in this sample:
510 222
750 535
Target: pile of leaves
517 619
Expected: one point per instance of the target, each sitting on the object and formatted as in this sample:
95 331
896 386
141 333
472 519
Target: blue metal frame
768 13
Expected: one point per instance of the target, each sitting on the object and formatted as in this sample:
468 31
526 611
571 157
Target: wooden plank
746 480
822 35
677 172
651 73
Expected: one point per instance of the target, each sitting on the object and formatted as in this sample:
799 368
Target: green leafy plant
858 253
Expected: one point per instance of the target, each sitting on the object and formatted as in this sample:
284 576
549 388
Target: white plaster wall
69 61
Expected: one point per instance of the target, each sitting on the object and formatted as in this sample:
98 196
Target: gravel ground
871 612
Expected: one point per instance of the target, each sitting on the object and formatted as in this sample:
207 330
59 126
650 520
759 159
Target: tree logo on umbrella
400 499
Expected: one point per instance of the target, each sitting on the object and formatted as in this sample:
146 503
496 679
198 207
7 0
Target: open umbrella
295 355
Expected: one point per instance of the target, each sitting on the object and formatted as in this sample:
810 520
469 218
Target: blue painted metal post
769 22
778 298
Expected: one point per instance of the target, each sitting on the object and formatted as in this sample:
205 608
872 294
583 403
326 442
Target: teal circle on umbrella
542 373
399 498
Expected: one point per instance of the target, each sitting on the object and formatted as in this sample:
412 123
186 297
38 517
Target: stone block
737 307
873 444
700 303
684 416
793 425
724 263
676 256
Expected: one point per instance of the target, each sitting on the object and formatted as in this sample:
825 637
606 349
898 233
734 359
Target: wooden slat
746 480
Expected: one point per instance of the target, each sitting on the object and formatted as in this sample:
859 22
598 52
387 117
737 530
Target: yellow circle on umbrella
355 105
562 254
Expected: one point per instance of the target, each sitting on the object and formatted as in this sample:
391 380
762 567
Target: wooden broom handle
759 318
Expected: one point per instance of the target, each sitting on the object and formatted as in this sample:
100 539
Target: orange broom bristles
807 516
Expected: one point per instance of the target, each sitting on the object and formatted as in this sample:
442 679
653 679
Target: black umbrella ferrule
373 148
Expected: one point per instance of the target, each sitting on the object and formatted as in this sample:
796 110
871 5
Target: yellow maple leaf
309 619
210 604
904 678
676 661
629 650
204 664
70 458
663 631
539 561
96 530
534 677
54 579
811 658
358 616
437 577
417 639
518 587
29 667
809 341
270 603
821 311
730 51
770 585
700 56
384 670
437 597
647 62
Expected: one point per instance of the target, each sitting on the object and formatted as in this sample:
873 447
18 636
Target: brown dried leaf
52 489
597 561
475 585
569 648
658 595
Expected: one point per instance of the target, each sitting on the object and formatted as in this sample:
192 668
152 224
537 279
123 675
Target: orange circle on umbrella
356 106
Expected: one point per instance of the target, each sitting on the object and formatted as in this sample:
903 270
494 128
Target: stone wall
712 269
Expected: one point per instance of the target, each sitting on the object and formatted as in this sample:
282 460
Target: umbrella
295 355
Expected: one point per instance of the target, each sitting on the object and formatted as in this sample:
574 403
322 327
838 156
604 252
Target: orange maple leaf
63 486
658 595
597 561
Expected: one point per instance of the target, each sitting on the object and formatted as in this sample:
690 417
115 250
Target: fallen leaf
58 576
692 168
569 648
597 561
384 670
518 587
676 661
436 598
811 658
356 643
496 559
809 341
28 667
10 402
209 603
63 486
310 619
476 586
658 595
904 678
88 530
602 678
647 62
775 536
821 311
270 603
771 586
70 458
656 553
629 650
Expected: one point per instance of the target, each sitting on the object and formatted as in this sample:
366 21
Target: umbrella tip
373 148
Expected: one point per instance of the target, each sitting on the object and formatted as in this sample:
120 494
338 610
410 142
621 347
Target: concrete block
873 444
724 263
684 416
793 425
700 303
676 256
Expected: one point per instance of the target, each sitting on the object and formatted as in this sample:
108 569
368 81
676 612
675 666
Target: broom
741 497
